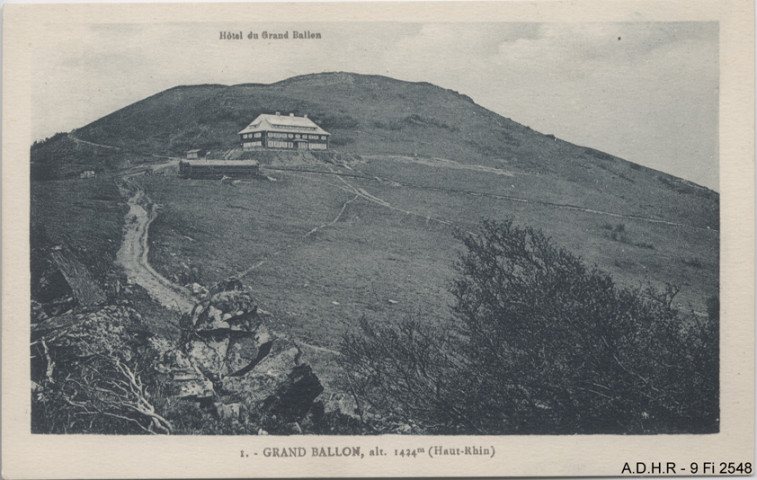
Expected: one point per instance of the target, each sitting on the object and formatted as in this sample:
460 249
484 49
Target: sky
646 92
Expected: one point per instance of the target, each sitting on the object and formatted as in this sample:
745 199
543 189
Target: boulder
294 397
229 355
232 411
223 335
209 354
186 377
226 310
197 289
262 381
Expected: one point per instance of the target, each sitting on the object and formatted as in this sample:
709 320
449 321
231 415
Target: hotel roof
283 123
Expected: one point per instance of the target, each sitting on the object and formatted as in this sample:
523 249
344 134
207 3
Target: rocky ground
101 366
100 369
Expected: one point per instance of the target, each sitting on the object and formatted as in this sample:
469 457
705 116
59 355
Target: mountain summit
370 114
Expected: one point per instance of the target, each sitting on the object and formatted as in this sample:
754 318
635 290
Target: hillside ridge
376 115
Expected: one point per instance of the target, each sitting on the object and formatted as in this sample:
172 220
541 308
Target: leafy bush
540 343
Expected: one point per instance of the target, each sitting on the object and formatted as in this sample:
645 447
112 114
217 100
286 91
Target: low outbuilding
218 168
194 154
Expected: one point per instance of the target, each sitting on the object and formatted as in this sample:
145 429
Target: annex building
218 168
284 132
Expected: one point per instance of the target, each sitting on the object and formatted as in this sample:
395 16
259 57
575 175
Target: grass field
388 252
85 214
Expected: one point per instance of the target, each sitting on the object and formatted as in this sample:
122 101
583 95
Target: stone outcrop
223 335
247 365
227 367
294 397
184 377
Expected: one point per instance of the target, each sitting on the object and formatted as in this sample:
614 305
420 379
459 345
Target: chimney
305 116
291 114
278 114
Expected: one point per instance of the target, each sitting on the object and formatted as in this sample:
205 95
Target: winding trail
133 254
133 257
135 248
87 142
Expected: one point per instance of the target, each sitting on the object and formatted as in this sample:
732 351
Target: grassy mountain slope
379 115
456 160
366 230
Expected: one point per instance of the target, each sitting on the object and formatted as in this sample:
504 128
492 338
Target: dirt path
260 263
133 254
78 140
438 162
87 142
383 203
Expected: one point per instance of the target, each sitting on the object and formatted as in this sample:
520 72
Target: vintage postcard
389 239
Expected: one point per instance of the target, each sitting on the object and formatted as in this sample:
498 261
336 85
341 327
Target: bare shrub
92 373
406 374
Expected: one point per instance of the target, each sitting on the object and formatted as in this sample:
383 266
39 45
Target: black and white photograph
427 234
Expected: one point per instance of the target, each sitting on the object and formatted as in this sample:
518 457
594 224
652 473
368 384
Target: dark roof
221 163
